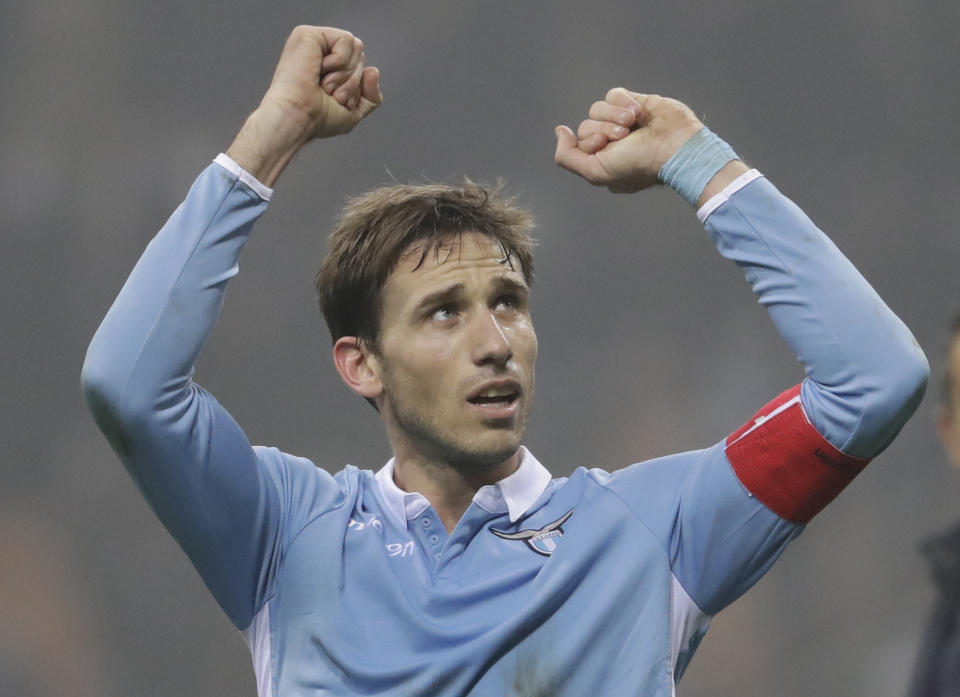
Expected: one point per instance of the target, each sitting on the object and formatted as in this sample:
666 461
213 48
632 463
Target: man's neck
449 489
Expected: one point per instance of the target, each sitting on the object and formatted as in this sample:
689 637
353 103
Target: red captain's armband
782 460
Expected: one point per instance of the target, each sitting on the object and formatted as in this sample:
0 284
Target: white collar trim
513 494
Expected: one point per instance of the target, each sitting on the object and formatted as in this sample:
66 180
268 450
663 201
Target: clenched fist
626 139
322 87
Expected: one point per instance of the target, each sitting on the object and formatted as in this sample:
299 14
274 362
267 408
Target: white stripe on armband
229 164
714 202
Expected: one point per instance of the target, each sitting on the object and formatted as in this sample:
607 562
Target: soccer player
937 672
462 567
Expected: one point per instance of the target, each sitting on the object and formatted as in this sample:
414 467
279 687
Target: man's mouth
500 393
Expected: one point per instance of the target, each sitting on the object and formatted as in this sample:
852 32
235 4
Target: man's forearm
267 143
867 373
144 351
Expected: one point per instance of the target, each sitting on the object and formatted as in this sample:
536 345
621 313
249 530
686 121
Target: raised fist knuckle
302 32
292 38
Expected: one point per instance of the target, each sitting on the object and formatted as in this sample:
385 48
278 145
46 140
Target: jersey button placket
430 539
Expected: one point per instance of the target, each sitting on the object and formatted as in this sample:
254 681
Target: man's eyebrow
506 281
440 296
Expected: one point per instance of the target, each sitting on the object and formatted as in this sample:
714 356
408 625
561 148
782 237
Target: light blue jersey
597 584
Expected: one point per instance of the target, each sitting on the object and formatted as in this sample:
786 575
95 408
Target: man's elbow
893 402
102 389
103 382
99 381
910 378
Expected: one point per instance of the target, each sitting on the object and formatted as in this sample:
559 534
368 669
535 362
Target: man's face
456 353
948 422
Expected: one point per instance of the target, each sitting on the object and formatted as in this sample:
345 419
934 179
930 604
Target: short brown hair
376 228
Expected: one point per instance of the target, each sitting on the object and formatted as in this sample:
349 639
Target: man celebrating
462 567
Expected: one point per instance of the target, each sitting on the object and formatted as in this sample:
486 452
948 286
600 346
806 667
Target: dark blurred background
650 342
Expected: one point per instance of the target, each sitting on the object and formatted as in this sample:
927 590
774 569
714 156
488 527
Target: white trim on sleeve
687 622
257 636
258 187
729 190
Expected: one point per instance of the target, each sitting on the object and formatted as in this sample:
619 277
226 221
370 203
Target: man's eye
508 302
443 313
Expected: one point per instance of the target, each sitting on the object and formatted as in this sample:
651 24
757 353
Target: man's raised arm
222 500
866 373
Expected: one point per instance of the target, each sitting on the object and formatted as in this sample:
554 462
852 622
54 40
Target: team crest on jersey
542 541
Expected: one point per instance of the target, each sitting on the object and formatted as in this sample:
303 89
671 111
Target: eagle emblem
541 541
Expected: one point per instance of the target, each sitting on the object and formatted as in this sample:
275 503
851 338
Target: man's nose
491 344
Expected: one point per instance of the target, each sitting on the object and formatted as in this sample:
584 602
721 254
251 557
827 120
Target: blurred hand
322 87
626 139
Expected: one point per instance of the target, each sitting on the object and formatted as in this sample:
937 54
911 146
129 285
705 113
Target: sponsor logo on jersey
374 523
542 541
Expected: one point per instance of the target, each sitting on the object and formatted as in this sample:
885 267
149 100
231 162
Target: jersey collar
513 494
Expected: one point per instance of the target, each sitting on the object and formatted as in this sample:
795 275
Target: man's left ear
358 366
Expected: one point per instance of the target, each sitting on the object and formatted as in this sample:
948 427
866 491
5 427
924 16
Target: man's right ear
358 366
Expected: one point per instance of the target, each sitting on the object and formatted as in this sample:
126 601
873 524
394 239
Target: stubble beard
428 440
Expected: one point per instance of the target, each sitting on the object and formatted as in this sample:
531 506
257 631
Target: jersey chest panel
363 605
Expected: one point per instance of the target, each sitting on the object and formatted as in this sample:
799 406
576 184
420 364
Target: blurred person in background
937 672
462 566
48 642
